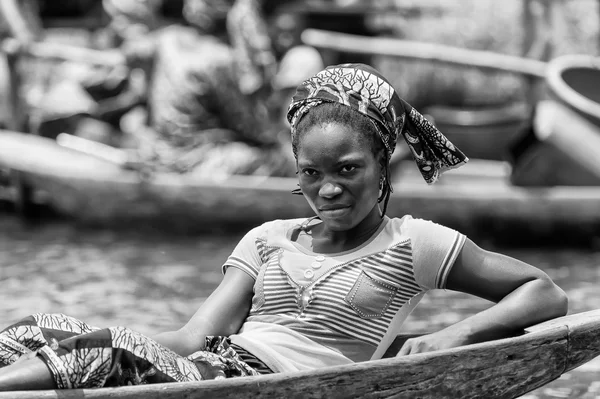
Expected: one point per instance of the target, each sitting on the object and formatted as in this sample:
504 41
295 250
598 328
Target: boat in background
504 368
561 147
574 80
477 199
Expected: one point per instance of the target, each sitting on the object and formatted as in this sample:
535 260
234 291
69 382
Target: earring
297 191
381 188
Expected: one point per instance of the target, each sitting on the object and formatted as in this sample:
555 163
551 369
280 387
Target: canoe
504 368
574 80
561 148
478 199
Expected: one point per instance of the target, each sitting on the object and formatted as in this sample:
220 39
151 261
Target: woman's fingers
409 347
416 345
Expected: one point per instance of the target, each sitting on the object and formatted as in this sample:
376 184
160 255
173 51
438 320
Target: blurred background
143 138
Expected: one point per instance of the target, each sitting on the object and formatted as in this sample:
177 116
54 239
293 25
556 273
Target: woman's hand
443 339
523 296
223 313
26 356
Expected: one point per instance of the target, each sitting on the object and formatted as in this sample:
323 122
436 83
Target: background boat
573 81
478 199
490 199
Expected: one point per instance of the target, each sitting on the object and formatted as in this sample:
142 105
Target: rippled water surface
152 283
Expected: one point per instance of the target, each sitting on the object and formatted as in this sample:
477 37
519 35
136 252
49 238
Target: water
152 283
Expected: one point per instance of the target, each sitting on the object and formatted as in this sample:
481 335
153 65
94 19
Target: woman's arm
524 295
223 313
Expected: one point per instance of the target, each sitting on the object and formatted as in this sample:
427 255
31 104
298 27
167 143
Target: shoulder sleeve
246 254
434 250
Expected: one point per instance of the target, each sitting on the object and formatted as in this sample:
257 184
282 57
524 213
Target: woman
303 294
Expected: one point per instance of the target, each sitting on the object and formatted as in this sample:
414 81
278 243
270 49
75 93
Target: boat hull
505 368
573 80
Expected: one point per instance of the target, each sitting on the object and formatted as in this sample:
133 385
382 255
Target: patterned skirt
82 356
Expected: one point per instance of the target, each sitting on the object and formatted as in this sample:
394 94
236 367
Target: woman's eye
309 172
348 168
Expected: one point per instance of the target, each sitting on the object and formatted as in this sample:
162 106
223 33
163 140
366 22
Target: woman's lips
334 212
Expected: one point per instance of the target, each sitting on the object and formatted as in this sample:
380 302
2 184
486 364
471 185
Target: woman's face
339 175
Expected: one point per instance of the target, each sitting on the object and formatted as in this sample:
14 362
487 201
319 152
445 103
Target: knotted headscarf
363 88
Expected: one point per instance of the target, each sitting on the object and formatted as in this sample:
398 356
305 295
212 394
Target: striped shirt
312 310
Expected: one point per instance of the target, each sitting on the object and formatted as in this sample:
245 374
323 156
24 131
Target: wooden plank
584 344
333 10
21 18
63 52
93 148
497 369
423 51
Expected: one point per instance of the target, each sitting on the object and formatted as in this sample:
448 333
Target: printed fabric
363 88
82 356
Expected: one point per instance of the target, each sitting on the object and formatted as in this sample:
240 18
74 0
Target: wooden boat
477 199
504 368
415 50
574 81
561 149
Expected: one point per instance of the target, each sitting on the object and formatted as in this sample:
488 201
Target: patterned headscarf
363 88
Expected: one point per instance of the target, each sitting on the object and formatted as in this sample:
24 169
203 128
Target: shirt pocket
370 298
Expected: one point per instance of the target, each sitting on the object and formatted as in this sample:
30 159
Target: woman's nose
330 190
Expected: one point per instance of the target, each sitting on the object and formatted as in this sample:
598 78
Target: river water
153 283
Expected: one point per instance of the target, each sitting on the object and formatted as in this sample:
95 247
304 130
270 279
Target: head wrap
363 88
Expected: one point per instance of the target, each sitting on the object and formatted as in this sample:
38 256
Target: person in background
207 98
303 294
190 99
